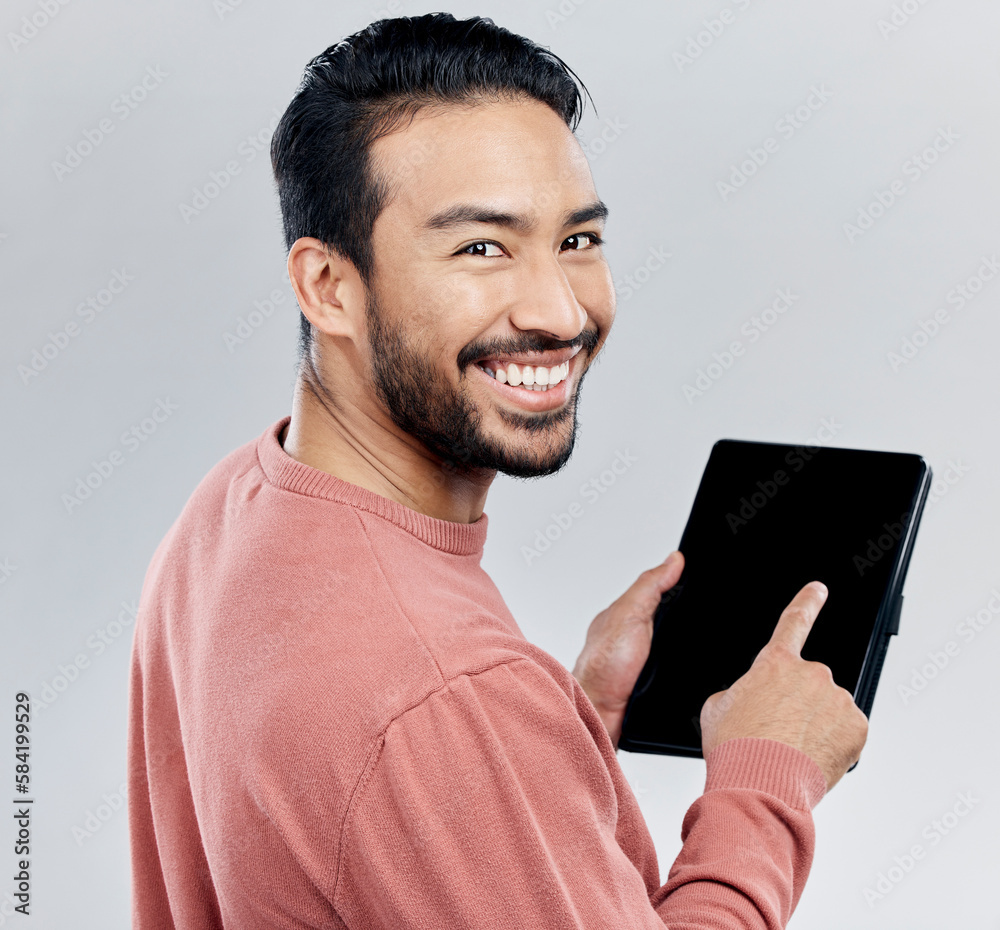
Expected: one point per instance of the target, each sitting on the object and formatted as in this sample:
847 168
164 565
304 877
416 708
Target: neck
344 440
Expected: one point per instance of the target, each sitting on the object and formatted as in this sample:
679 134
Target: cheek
422 319
595 290
470 304
441 316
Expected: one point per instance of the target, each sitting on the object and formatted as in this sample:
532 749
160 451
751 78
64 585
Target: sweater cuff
769 766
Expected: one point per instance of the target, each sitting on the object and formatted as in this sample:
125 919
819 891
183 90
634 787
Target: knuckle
777 652
842 701
715 704
646 580
797 613
847 699
821 675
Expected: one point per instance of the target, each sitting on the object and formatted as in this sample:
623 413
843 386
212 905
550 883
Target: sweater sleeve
489 805
748 840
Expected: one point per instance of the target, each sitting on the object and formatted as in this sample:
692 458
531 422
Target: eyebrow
464 214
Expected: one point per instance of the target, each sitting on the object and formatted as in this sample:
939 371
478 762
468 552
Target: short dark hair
363 88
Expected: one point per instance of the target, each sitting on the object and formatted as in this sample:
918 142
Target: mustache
587 340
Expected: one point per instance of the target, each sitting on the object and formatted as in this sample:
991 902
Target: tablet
768 519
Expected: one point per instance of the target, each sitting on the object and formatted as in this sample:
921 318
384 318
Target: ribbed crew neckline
287 473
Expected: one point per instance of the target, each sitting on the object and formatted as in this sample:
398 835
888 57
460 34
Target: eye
480 248
581 242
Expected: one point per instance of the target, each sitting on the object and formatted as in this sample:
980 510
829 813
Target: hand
618 640
785 698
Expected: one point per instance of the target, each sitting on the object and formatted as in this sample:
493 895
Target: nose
548 303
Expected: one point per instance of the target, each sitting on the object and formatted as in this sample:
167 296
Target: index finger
797 618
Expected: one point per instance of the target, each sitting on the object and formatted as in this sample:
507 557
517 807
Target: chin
531 460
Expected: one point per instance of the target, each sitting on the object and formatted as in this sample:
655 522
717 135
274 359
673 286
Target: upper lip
536 359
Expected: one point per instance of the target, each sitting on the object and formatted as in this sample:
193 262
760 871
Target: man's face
485 264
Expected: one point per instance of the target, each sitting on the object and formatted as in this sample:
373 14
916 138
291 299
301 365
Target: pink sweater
335 721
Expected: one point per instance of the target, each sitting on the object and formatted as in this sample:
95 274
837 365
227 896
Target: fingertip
670 564
821 589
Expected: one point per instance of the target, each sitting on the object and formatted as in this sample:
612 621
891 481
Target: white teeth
534 378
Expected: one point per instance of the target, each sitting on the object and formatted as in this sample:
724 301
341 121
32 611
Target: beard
423 403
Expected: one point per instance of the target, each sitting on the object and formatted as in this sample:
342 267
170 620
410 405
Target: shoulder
493 780
520 716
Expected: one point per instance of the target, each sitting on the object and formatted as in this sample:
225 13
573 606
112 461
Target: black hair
363 88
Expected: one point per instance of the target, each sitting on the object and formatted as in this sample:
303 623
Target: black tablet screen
767 519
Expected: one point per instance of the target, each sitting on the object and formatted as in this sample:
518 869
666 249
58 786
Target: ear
328 288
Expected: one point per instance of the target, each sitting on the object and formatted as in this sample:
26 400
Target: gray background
672 131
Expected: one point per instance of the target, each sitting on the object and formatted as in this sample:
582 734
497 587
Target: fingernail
820 588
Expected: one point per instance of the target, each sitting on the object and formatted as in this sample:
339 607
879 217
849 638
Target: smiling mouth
535 398
530 377
540 372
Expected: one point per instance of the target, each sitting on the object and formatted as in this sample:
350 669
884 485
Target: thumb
665 575
643 597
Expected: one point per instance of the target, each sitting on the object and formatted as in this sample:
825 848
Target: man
334 719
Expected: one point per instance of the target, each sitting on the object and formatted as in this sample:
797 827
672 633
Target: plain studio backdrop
816 183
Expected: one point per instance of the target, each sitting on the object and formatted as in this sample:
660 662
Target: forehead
516 155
